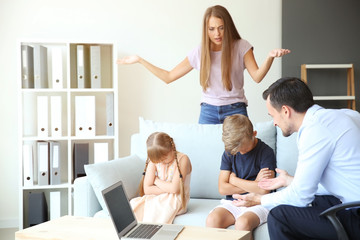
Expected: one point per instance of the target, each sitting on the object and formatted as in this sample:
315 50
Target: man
328 169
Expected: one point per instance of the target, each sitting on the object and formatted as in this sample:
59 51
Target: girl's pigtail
182 190
141 185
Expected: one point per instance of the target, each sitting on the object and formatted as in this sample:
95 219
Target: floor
7 233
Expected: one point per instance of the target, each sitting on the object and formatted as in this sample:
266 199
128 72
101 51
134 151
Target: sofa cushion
104 174
197 212
286 152
203 144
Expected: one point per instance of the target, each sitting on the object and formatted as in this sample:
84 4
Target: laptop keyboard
145 231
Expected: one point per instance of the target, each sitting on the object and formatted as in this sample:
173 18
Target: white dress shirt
329 154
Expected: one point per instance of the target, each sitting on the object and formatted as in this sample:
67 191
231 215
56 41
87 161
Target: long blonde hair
230 35
159 145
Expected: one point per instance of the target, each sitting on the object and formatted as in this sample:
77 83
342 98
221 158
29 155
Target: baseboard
9 223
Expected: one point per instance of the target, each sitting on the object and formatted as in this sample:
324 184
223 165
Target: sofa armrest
85 201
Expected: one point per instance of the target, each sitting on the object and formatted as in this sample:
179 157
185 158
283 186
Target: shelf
350 87
327 66
50 83
334 98
38 187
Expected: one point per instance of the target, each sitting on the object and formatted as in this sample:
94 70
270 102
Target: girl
221 58
165 184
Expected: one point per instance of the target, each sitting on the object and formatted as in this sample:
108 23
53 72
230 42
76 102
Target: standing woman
221 59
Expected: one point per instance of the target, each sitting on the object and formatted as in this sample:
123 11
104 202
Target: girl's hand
278 52
128 60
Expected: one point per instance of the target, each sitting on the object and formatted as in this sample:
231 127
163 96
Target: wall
161 31
322 31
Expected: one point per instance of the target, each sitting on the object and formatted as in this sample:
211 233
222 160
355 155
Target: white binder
95 66
28 165
85 116
101 152
55 114
40 67
54 159
82 54
110 114
27 66
43 162
42 116
55 205
57 67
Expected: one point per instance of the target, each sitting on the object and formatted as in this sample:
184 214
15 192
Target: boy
246 160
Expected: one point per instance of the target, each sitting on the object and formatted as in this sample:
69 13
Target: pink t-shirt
216 94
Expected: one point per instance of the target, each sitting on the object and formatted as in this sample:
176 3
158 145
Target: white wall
161 31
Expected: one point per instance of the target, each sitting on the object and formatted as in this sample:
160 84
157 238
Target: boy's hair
237 129
159 145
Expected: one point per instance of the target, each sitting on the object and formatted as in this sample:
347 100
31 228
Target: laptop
124 220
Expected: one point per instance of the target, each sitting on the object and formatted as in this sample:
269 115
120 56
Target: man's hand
282 180
247 200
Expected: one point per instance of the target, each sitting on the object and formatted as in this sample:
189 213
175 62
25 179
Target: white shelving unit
350 97
68 90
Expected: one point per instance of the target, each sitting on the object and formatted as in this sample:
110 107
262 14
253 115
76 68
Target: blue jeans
210 114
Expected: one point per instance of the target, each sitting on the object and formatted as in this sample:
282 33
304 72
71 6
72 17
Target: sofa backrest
204 146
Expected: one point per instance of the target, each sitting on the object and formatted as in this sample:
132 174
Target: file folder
28 166
43 162
42 116
54 158
38 209
27 66
55 114
85 116
55 205
95 66
57 68
82 53
40 67
101 152
80 158
110 114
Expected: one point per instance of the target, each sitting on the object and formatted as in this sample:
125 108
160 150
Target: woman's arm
256 73
167 76
225 187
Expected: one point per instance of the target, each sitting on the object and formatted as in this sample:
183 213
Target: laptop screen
119 208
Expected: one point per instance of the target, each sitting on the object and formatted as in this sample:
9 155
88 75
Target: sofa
203 145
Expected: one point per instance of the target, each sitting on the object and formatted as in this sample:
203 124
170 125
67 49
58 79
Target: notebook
124 220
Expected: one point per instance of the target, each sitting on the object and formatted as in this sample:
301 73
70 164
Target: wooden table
87 228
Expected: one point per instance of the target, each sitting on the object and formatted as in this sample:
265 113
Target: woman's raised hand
278 52
128 60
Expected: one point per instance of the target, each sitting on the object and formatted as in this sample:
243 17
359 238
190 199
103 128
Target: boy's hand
232 178
264 173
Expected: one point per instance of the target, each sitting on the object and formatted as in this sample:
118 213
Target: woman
221 59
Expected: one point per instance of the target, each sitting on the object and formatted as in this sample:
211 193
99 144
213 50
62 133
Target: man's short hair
289 91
